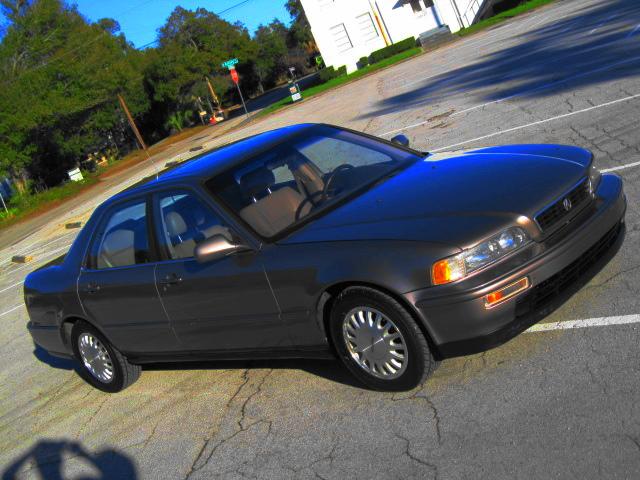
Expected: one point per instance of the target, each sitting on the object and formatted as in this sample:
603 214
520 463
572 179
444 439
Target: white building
347 30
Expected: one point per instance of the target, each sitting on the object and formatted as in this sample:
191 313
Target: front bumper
455 315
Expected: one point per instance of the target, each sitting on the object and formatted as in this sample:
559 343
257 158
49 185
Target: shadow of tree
566 54
48 458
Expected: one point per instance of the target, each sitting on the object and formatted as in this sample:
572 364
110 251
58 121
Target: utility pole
136 132
4 204
213 94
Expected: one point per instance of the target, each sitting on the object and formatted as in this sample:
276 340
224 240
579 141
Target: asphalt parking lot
560 401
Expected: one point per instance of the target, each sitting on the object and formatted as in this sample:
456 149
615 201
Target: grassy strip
335 82
502 16
22 205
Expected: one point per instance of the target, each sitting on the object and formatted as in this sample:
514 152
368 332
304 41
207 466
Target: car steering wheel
307 199
325 191
340 168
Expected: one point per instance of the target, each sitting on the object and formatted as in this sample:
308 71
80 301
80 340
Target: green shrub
327 74
341 71
363 62
391 50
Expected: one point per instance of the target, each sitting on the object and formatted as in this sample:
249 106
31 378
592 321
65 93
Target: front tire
101 364
379 341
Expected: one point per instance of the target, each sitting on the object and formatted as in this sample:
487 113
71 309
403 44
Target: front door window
185 222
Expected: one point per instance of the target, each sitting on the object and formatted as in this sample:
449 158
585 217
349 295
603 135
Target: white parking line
52 252
26 247
634 31
609 18
589 322
620 167
549 85
532 124
11 310
12 286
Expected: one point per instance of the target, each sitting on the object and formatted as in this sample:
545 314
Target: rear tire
101 364
379 341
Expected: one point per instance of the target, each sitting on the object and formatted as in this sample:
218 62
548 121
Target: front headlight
459 266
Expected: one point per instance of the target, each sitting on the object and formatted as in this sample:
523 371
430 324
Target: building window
417 5
341 38
367 28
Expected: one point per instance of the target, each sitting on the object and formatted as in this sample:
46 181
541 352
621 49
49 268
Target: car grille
544 293
557 211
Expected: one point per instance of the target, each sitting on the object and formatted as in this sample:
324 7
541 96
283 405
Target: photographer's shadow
48 457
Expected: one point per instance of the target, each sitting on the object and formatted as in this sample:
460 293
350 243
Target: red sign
234 75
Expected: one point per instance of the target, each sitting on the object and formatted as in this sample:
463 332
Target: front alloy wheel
378 340
375 342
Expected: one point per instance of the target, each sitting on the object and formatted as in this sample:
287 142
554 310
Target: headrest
257 181
175 224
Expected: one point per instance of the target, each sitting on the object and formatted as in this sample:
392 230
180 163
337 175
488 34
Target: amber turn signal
494 298
447 270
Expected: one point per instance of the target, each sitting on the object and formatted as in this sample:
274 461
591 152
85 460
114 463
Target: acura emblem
566 203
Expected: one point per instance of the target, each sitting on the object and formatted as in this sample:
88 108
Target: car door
117 283
222 305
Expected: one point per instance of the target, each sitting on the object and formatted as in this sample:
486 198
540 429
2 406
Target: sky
140 19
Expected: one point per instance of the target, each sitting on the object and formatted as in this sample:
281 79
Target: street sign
234 75
230 63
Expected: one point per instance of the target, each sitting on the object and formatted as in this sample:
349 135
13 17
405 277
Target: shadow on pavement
332 370
56 362
48 457
587 47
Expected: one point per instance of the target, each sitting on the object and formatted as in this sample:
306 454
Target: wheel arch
331 293
67 326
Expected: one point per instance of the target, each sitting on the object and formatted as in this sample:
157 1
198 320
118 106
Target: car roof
214 161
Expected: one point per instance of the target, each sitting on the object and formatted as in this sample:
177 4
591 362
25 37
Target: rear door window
124 238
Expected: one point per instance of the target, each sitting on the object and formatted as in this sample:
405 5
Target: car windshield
305 176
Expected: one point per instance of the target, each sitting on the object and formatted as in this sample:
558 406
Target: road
559 401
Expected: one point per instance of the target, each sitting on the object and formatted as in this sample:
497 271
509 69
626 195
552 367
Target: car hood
455 198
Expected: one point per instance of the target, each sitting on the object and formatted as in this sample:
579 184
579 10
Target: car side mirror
216 247
401 140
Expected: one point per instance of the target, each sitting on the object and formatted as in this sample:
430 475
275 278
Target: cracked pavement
557 404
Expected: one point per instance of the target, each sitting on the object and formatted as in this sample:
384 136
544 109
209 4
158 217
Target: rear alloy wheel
101 364
379 341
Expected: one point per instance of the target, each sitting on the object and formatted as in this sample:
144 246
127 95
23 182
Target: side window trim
89 262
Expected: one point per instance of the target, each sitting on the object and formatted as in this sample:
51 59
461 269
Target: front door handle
171 279
92 288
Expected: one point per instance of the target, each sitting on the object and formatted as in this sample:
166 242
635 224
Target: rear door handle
171 279
92 288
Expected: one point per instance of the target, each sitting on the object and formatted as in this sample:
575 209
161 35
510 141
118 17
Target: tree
271 62
59 80
300 32
192 45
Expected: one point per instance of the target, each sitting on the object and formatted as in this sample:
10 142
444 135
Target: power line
84 45
232 7
220 13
